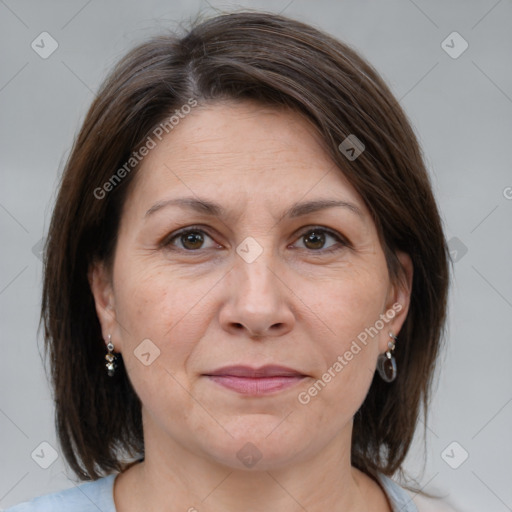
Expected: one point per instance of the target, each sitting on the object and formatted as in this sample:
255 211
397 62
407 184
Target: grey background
462 112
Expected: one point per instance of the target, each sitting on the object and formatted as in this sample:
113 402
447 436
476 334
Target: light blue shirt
98 496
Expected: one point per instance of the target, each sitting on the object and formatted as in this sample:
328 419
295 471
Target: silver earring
386 363
111 358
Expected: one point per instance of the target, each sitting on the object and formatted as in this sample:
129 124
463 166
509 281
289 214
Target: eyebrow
207 207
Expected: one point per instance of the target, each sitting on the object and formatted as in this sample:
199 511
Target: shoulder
397 495
426 504
406 501
85 497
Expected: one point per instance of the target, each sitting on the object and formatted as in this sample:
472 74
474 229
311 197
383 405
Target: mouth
256 381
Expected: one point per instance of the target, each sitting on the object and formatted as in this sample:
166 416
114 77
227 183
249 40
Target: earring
111 358
386 363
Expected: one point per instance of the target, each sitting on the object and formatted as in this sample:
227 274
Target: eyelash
167 241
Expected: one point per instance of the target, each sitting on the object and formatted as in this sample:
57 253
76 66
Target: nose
258 300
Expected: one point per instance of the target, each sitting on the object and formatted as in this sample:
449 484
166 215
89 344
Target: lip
250 372
256 381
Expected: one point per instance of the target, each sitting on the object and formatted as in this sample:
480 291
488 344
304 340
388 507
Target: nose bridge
257 299
254 268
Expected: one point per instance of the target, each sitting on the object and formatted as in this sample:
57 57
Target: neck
172 476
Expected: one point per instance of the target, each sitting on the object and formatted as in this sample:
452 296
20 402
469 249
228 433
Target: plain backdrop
460 105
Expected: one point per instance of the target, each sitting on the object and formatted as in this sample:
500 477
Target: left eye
314 239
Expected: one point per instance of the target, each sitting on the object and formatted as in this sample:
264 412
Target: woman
246 236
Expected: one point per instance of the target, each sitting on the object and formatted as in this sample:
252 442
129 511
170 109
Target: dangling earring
111 358
386 363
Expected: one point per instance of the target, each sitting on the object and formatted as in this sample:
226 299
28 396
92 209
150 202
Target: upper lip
263 371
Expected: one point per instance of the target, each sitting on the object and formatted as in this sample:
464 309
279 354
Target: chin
260 442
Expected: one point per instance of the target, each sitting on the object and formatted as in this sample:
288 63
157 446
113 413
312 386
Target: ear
398 301
101 285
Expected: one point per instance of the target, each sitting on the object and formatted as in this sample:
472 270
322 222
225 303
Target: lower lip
255 386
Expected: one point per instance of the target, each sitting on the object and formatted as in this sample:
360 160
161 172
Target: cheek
351 302
346 365
157 303
143 301
160 321
350 310
151 296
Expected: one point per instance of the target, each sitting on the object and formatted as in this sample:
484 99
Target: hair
275 61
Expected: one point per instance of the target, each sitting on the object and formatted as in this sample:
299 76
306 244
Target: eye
191 239
315 238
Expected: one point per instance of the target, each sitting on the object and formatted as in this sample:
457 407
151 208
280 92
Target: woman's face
259 281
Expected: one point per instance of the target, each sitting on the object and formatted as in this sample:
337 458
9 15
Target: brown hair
276 61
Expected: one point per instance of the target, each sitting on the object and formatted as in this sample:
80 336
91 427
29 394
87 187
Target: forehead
241 153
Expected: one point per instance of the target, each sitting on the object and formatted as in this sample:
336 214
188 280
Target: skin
205 307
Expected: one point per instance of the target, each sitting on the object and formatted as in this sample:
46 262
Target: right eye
191 239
